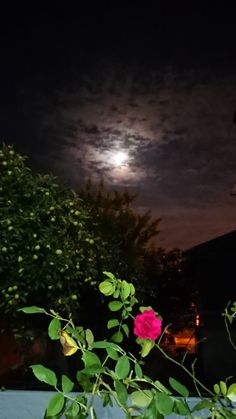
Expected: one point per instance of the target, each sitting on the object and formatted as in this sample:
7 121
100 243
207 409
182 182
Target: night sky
143 97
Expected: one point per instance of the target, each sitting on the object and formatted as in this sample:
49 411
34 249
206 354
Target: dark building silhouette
212 267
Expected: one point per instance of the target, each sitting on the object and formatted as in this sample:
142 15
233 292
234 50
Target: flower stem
196 380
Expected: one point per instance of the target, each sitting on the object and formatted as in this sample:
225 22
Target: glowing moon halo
119 158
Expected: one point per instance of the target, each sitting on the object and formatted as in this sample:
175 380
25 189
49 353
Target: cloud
176 128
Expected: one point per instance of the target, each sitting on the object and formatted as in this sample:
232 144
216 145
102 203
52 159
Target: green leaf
143 308
77 333
147 346
161 387
106 288
67 384
94 369
141 398
116 293
180 388
121 392
125 290
117 337
224 412
203 404
122 367
132 289
84 381
32 310
112 354
180 408
90 358
89 337
231 393
112 323
53 329
223 388
138 370
151 411
109 275
126 329
44 374
216 388
103 344
133 384
115 305
55 404
73 411
164 403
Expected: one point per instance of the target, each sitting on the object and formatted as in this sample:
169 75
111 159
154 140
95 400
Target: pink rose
147 325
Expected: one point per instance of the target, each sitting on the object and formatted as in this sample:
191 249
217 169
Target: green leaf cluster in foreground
114 375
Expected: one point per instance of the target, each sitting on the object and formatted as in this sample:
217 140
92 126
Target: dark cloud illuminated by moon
177 140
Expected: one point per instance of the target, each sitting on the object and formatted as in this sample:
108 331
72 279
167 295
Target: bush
48 250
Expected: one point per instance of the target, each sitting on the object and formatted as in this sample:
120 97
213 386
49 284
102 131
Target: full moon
119 158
